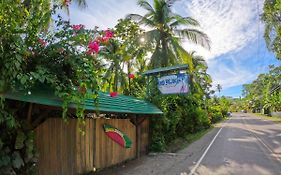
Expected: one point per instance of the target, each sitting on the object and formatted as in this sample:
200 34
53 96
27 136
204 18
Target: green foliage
271 17
125 55
182 116
218 108
167 30
264 92
19 25
17 152
32 56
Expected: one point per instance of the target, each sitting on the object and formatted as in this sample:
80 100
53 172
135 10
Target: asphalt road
242 145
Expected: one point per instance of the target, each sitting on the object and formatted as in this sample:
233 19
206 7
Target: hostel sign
173 84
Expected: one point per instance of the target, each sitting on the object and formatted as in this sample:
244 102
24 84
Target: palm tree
219 88
200 79
168 30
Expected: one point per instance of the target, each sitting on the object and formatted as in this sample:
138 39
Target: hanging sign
173 84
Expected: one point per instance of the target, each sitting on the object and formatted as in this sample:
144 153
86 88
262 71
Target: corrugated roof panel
118 104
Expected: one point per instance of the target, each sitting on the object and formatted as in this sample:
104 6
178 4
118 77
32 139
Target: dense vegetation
71 60
263 94
272 18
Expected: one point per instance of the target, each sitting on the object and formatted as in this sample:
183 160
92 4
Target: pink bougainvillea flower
42 42
131 76
94 46
108 34
113 94
77 27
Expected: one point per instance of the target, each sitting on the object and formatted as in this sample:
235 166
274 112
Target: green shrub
182 115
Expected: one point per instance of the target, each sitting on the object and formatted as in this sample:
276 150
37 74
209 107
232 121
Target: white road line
204 154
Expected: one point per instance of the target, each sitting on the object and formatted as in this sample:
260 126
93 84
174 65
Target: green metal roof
118 104
166 69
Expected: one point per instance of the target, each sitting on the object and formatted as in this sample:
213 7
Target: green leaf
5 160
20 140
17 161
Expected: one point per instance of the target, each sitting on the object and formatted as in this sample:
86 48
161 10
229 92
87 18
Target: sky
238 51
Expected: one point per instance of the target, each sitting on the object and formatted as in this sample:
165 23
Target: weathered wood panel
63 149
144 137
107 152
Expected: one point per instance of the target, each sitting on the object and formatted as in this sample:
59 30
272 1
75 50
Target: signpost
169 79
173 84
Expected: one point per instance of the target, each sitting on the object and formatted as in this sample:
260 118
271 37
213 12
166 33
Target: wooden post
29 114
138 132
139 121
94 142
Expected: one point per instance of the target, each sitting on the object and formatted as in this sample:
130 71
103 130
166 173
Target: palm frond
134 17
152 35
186 57
141 19
195 36
144 4
179 20
171 2
81 3
155 60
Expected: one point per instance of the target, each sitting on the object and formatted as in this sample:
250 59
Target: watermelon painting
117 136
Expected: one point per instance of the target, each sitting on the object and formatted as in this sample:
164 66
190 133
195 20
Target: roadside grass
276 119
180 143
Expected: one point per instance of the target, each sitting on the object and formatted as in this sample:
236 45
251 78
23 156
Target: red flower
131 76
77 27
42 42
103 39
66 2
94 46
108 34
113 94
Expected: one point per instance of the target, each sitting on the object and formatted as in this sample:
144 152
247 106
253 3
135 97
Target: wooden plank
108 152
94 144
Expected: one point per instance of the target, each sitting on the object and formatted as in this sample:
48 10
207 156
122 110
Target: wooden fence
64 150
109 153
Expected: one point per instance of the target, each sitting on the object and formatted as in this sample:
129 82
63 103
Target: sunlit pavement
246 145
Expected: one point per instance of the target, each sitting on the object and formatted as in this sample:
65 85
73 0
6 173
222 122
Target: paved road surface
243 145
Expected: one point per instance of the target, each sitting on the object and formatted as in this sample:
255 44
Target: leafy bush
64 59
17 152
182 116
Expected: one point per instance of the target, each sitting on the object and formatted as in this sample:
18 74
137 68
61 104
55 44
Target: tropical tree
168 29
272 19
264 92
219 88
200 79
125 56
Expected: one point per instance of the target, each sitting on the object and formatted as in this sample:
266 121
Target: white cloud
103 13
230 76
230 24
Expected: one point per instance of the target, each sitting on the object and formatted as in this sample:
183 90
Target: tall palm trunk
164 49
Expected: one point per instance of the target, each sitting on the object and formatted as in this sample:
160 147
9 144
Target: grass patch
183 142
276 119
